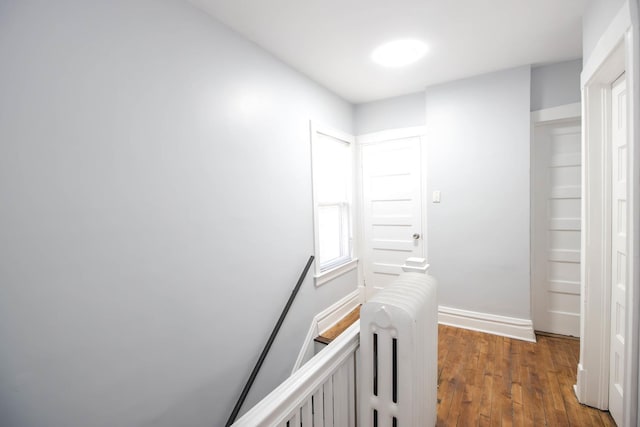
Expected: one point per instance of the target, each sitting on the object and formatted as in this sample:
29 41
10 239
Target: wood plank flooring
332 333
487 380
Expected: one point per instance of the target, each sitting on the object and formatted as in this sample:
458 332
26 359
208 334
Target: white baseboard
324 320
511 327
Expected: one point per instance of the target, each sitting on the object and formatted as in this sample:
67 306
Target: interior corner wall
555 84
156 213
392 113
478 133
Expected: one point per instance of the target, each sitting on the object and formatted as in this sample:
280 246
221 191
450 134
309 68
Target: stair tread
332 333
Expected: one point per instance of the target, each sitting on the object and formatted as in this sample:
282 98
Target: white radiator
399 354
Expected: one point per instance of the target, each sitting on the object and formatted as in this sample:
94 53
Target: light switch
436 197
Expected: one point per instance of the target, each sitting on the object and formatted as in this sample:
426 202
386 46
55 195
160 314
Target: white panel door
618 244
392 211
556 194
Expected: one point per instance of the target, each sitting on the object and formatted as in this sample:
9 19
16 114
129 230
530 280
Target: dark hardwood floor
487 380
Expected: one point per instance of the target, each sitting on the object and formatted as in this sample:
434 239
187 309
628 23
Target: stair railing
321 393
381 371
267 346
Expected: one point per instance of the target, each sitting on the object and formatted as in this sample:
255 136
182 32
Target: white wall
478 157
155 214
392 113
555 84
597 16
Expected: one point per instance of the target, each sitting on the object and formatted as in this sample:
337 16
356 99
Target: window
332 196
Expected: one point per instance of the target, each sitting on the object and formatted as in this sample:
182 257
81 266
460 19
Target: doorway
610 233
392 208
555 220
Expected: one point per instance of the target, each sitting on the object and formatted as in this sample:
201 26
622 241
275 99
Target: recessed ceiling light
399 53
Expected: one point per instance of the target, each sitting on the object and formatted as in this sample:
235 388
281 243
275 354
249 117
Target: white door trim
386 135
511 327
615 52
553 114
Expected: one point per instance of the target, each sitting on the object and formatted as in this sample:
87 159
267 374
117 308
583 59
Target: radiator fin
400 326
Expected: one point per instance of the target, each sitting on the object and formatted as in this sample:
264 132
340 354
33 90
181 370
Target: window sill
327 276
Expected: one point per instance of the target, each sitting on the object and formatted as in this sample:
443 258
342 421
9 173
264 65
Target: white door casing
616 52
392 220
618 246
556 188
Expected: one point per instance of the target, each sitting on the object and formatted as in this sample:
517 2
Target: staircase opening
332 333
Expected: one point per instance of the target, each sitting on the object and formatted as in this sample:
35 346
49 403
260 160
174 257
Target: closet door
619 242
556 194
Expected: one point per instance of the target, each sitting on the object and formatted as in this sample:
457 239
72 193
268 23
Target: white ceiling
331 40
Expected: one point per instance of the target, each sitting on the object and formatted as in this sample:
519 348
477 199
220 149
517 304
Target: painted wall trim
607 43
561 112
329 275
511 327
324 320
390 134
330 131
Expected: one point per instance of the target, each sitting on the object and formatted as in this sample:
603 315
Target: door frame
375 138
539 118
615 53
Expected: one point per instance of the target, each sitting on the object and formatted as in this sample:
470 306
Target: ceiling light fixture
399 53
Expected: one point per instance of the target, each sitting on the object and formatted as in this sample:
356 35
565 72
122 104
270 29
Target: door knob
416 236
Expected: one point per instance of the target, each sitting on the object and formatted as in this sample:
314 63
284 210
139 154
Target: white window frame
339 266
